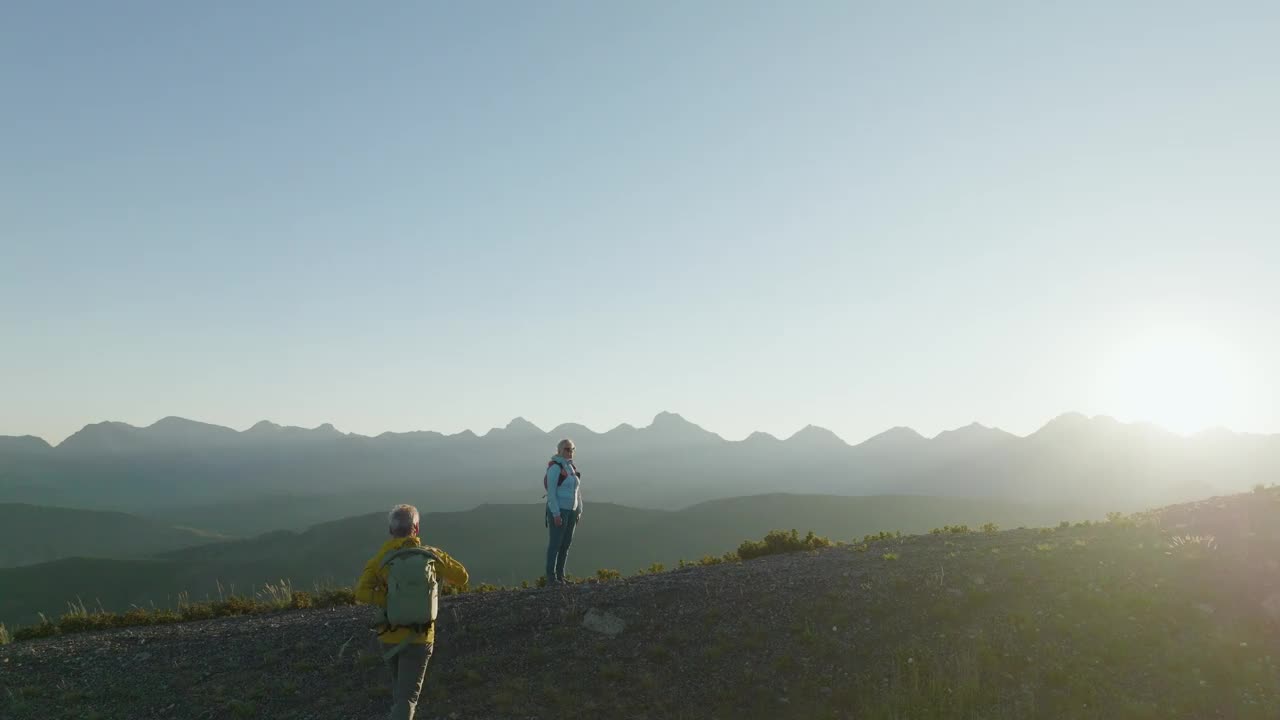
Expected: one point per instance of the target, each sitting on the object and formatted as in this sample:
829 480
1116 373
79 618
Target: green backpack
413 594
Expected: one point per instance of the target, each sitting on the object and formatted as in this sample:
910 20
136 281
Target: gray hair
564 444
401 520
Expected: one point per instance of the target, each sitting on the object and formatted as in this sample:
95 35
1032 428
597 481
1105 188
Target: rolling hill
31 534
500 544
1169 614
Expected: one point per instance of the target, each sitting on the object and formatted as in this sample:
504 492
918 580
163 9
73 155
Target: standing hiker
564 508
402 580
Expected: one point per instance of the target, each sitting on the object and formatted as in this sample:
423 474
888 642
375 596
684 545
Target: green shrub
331 597
889 556
780 541
990 528
653 569
606 574
4 635
33 632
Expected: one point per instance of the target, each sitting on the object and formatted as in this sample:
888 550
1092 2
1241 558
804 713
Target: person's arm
367 587
553 484
451 570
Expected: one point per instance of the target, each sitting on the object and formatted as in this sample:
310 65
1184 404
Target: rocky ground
1121 619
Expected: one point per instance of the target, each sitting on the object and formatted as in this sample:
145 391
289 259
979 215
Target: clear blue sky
414 215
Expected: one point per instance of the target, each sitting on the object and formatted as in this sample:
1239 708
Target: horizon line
665 413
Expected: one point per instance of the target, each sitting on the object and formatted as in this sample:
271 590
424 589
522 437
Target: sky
427 215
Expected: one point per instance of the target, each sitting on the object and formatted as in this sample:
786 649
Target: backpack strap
407 551
563 472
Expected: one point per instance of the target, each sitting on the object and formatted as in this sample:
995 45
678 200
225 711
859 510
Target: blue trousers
558 543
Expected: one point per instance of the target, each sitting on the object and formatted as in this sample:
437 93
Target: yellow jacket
371 588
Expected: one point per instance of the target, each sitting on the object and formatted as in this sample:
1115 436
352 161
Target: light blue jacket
569 495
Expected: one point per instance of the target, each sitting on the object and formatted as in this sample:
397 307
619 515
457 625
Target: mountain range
271 477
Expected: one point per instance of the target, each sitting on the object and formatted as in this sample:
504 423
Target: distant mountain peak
107 435
1067 419
264 426
892 438
760 436
570 430
670 424
174 425
519 423
24 443
815 435
972 430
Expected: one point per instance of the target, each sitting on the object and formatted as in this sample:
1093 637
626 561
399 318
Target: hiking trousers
558 543
408 668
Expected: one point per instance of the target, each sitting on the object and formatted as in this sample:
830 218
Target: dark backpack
564 474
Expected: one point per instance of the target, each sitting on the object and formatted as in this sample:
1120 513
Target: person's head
565 449
402 521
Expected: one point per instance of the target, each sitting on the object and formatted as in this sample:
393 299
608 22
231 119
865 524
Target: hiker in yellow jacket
409 647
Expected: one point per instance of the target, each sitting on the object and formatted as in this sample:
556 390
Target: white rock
603 622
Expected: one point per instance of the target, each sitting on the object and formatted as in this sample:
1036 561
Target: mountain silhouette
178 464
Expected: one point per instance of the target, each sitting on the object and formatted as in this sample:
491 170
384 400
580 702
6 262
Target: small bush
653 569
606 574
990 528
889 556
33 632
331 597
728 557
1064 524
4 635
780 541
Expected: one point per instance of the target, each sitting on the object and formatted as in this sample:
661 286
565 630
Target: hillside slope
500 544
31 534
1134 619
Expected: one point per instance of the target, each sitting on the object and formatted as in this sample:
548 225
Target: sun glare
1182 379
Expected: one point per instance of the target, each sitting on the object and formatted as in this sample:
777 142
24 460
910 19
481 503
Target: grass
281 595
273 597
1098 621
780 541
